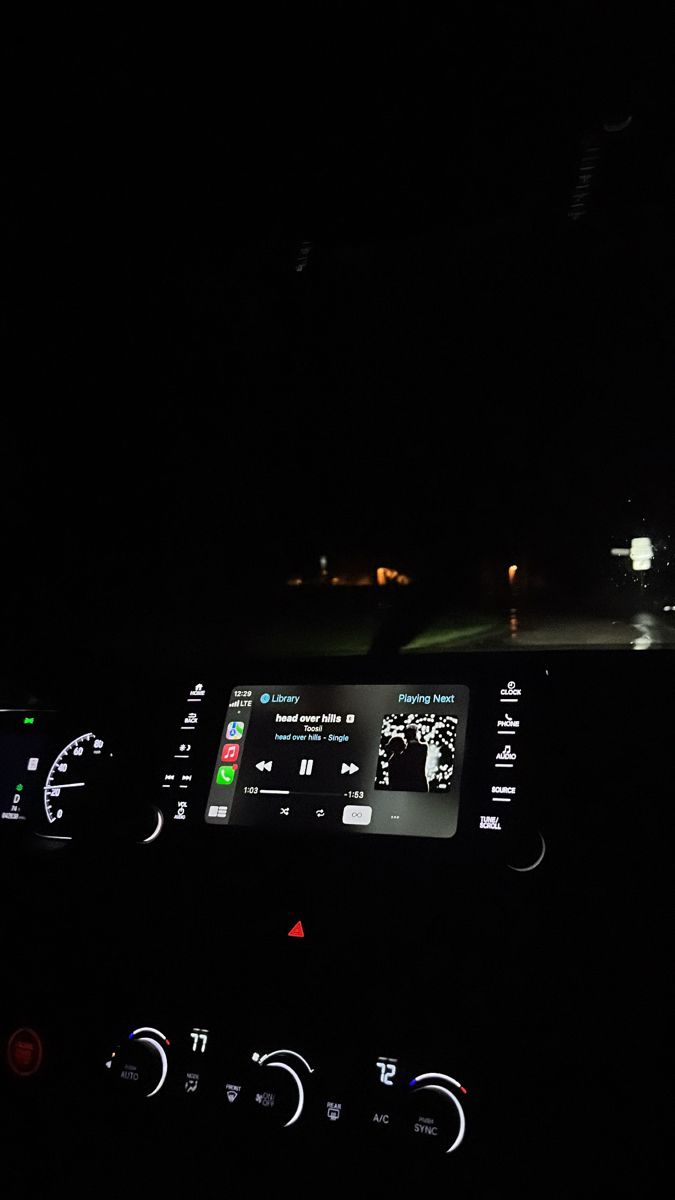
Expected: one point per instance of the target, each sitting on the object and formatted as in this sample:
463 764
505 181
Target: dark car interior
336 700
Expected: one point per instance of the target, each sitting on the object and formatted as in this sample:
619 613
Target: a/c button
357 814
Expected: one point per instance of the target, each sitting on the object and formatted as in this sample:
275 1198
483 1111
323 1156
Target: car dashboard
335 919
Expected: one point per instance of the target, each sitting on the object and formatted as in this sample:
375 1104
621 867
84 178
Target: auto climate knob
139 1065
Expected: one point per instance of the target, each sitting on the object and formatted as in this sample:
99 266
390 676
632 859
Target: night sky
460 374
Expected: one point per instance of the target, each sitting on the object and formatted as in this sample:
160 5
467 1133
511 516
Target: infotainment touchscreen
385 759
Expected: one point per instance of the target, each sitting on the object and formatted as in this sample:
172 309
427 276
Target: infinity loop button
357 814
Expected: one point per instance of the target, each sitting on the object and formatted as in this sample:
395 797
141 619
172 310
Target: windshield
365 361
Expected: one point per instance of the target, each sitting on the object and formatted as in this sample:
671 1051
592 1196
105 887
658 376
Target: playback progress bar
303 795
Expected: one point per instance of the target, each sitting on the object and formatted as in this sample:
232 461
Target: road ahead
642 631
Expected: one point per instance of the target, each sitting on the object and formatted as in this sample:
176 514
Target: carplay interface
385 759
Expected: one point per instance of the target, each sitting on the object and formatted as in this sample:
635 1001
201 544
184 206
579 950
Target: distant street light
640 552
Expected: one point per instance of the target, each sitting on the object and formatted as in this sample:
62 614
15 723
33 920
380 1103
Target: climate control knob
139 1066
279 1091
435 1111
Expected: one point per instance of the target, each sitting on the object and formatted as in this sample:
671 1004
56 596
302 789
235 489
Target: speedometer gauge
73 771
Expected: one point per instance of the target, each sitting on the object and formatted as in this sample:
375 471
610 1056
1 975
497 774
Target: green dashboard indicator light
29 720
19 787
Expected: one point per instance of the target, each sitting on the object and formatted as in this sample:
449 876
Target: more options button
357 814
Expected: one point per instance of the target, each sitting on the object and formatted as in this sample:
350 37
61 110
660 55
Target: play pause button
349 769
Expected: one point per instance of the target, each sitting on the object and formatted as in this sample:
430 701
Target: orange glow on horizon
387 574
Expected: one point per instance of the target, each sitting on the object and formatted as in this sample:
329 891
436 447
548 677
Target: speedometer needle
60 786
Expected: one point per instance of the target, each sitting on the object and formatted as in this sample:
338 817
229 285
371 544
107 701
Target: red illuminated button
297 930
24 1052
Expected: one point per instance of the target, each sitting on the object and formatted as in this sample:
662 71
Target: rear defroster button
357 814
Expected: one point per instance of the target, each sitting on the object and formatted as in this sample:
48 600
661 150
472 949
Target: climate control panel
199 1078
274 1088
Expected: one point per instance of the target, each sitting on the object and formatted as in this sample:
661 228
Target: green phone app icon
226 775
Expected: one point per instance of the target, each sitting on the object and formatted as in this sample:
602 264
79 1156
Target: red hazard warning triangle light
297 930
